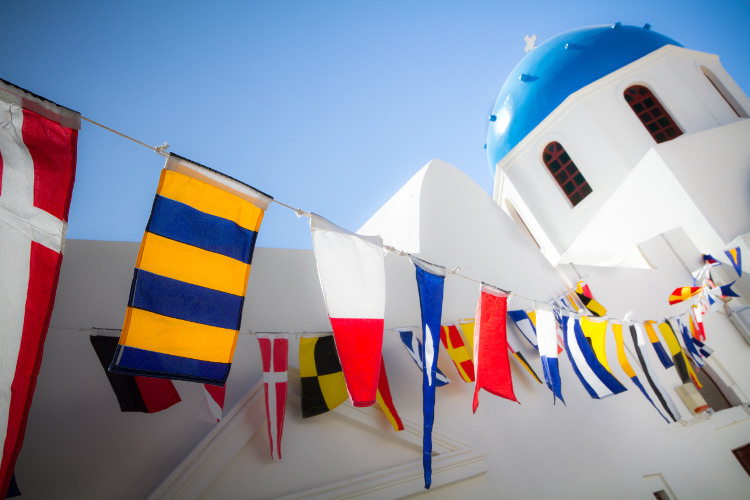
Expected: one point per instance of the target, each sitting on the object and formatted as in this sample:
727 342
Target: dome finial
530 43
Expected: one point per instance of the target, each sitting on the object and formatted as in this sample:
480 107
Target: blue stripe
177 299
578 373
180 222
406 338
599 370
552 377
133 361
666 361
638 384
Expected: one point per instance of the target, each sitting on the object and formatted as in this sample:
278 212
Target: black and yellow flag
323 385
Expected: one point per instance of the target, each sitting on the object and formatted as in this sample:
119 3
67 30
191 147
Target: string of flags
189 283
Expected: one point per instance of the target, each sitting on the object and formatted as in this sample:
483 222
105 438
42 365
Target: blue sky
327 106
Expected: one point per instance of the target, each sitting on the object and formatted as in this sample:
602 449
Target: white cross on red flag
274 350
38 141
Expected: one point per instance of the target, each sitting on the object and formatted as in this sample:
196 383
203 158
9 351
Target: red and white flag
212 408
274 350
37 168
351 269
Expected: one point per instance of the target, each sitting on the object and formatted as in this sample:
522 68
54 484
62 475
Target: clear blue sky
327 106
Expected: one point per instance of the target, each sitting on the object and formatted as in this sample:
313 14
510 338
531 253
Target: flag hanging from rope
523 322
653 338
684 370
212 406
587 299
274 350
639 343
491 364
456 349
430 283
141 394
191 275
414 347
515 349
385 400
323 384
594 376
627 368
683 293
547 335
38 145
351 269
735 257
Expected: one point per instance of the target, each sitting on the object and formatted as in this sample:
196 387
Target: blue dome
556 69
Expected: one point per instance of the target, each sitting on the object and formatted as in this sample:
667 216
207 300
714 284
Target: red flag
37 168
213 403
386 401
491 366
274 349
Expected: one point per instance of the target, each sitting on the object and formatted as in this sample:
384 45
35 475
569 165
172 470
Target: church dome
556 69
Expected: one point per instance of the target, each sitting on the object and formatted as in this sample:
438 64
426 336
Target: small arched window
723 92
652 114
566 173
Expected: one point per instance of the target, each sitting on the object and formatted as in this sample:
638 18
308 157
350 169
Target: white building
652 210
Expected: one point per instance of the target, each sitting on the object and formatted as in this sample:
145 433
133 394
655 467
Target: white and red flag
274 350
212 408
351 269
37 168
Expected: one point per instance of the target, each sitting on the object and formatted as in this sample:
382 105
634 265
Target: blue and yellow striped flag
190 278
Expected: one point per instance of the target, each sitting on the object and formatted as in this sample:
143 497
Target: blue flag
430 281
414 346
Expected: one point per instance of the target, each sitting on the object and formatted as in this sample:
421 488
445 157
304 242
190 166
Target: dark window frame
652 113
566 173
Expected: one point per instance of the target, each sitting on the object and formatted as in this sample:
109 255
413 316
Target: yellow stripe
596 331
624 363
209 199
467 326
157 333
650 331
669 337
193 265
387 411
333 387
532 316
528 368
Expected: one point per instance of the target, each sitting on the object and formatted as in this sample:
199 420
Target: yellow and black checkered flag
323 385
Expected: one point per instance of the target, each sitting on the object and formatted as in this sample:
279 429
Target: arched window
565 172
652 114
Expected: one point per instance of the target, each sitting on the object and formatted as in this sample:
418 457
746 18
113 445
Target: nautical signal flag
525 325
351 269
321 377
661 353
212 407
191 275
735 257
274 351
547 336
586 351
627 368
141 394
684 370
38 144
430 283
456 348
639 343
491 365
683 293
584 295
416 351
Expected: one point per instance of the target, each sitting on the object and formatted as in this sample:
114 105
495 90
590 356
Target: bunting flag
661 353
491 365
414 347
321 378
690 346
385 400
514 348
595 376
139 394
696 314
351 269
212 406
454 345
639 343
735 257
726 290
709 259
584 295
274 350
524 324
467 328
191 275
547 336
625 364
38 144
684 370
702 348
683 293
430 283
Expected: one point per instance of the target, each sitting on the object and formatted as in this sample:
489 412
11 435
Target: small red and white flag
212 408
38 141
274 350
351 269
